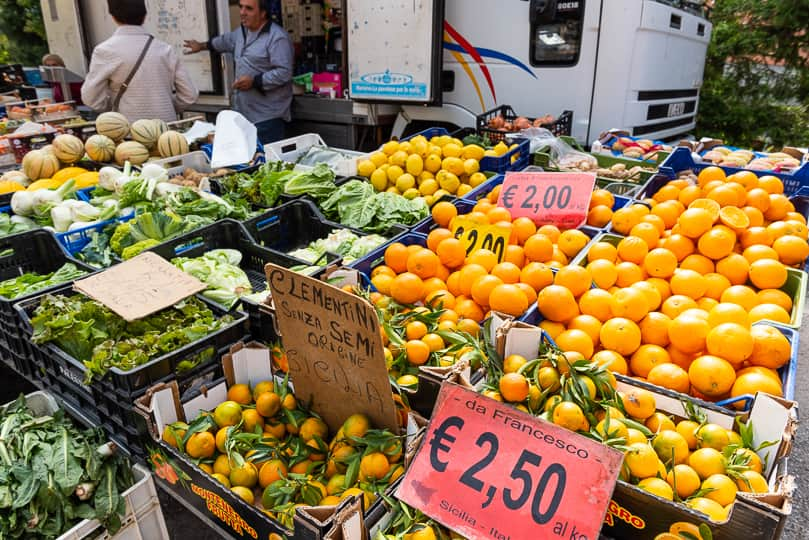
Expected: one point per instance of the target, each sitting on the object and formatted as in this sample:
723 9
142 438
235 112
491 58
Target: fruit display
406 522
682 457
429 169
644 149
501 123
746 159
274 453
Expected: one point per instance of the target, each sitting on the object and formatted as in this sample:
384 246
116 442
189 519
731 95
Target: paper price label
487 470
560 199
477 236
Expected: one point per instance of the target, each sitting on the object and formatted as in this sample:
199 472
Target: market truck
630 64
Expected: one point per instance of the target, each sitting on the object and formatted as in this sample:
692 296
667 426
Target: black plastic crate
561 126
261 322
230 234
30 251
67 373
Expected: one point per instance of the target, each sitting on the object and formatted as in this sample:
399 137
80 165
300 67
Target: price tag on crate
548 198
487 470
477 236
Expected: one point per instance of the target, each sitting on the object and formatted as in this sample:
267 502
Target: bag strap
125 85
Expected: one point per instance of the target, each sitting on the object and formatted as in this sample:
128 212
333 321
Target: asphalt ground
182 524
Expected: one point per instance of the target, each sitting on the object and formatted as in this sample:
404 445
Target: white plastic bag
235 140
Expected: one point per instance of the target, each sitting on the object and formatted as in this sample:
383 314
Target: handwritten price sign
477 236
487 470
560 199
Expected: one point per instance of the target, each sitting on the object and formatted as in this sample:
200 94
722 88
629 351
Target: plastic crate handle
265 223
746 398
184 248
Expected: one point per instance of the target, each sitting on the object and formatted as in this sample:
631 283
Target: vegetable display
53 475
343 242
94 335
265 186
357 204
32 282
219 269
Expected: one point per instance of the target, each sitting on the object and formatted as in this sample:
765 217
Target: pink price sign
548 198
488 470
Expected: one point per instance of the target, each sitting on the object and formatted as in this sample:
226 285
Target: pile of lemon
430 169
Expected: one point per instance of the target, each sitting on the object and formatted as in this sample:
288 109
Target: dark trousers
271 130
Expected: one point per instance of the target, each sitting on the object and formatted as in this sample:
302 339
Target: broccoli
137 248
121 237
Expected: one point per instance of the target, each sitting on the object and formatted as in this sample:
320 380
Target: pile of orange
600 212
473 284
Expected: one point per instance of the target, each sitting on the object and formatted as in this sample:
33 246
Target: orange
741 295
628 273
602 250
271 471
711 375
620 335
508 272
417 351
725 195
771 184
671 447
680 245
537 275
647 357
657 221
646 232
639 403
734 217
508 299
668 192
717 243
415 330
695 222
572 241
752 382
515 255
469 326
443 212
629 302
407 288
688 333
468 309
707 204
668 211
611 360
382 283
374 466
201 445
662 287
684 480
676 304
498 213
596 303
669 376
423 263
754 215
550 231
575 278
688 283
523 227
779 207
791 249
552 328
777 229
599 216
469 275
715 285
710 173
752 482
513 387
734 267
715 511
759 251
706 304
657 486
528 291
587 323
660 263
768 274
454 283
602 197
436 236
484 257
654 329
603 272
758 198
777 297
689 194
382 269
240 393
641 460
576 340
651 293
707 461
726 312
624 219
434 341
569 416
396 257
538 248
770 312
433 284
451 252
796 216
698 263
632 249
730 341
482 288
557 303
719 488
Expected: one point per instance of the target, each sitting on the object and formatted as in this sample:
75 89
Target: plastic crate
228 234
74 241
561 126
681 160
258 157
603 145
499 164
198 160
32 251
294 148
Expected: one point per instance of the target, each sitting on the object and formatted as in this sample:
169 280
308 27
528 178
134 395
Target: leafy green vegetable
138 247
358 205
262 188
219 269
342 242
52 475
32 282
318 183
15 224
94 335
98 252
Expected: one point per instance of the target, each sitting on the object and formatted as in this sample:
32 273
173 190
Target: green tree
756 84
23 39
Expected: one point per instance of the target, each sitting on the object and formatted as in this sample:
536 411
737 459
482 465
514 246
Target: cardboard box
246 364
637 514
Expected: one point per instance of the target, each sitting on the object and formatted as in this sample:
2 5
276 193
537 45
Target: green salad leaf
32 282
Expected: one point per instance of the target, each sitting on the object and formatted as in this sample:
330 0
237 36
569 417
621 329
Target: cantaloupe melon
100 148
145 132
162 127
112 124
39 164
172 143
68 148
131 151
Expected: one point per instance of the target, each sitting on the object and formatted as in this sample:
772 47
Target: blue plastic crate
428 224
499 164
75 240
681 160
257 160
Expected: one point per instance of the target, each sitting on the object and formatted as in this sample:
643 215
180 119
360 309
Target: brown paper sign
332 341
140 286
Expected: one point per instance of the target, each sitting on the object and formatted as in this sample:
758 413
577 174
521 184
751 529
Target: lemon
453 165
428 187
441 193
405 147
379 179
414 164
419 147
405 182
410 194
490 153
476 179
472 151
456 141
449 182
434 149
393 189
390 147
471 166
425 175
463 189
378 158
243 492
394 172
365 168
407 380
451 150
398 158
432 163
500 148
444 140
429 200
